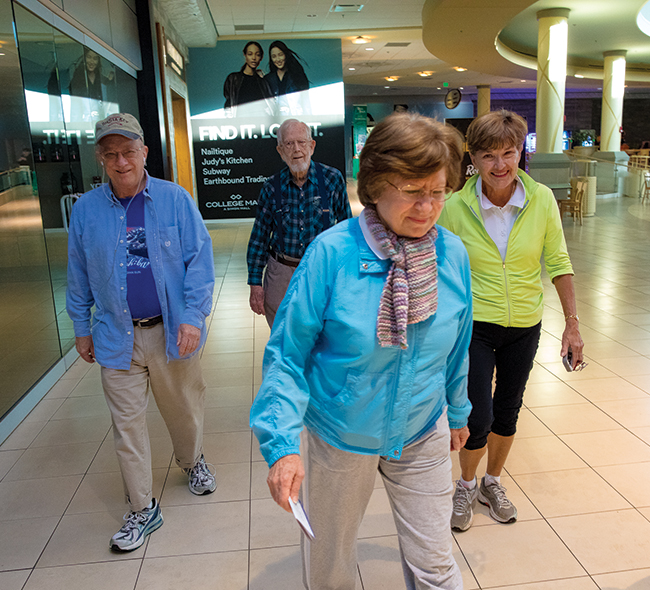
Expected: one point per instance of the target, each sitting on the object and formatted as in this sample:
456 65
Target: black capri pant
511 351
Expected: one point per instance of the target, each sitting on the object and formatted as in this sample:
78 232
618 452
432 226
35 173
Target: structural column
613 92
483 102
551 78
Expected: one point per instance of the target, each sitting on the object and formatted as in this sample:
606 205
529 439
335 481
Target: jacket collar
468 193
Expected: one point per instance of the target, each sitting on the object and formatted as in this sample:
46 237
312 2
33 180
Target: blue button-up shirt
302 217
180 252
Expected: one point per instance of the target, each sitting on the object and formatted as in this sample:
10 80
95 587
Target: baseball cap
119 124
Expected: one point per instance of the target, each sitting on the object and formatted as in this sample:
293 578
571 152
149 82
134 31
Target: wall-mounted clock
452 99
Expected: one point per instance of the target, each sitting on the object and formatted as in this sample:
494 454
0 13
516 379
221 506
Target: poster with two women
239 94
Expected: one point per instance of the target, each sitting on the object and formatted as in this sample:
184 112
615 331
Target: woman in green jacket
507 222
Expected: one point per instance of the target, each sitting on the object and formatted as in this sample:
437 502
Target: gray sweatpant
336 492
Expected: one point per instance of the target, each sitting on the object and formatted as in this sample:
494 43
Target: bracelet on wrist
571 317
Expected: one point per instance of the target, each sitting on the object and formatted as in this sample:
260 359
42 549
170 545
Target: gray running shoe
494 496
136 527
462 514
201 479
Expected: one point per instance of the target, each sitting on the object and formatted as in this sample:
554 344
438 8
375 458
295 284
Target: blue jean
511 351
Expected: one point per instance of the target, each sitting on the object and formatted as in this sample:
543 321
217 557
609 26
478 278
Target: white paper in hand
301 517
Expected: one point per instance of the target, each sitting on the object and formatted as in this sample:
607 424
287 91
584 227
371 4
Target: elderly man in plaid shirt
295 205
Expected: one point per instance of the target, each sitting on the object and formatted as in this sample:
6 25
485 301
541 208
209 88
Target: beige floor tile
574 418
610 389
234 360
488 548
88 387
223 397
44 410
582 583
221 345
40 462
610 447
104 492
22 541
76 430
23 436
106 460
640 381
544 453
606 541
628 412
592 371
227 447
40 499
98 576
564 493
632 580
228 377
271 526
643 432
381 569
8 459
631 481
640 346
62 388
83 406
607 350
550 394
14 580
259 487
205 528
378 519
233 483
540 375
630 365
228 419
216 571
83 538
277 568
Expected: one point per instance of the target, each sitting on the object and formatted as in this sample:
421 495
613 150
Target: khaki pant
336 491
179 390
277 277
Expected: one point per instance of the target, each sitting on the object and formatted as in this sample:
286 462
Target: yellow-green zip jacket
510 292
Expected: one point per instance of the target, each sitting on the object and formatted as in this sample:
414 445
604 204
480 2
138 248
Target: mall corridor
579 471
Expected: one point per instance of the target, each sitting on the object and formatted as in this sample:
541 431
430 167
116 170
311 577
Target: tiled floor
579 471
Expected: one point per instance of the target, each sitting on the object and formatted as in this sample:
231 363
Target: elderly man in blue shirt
295 205
139 253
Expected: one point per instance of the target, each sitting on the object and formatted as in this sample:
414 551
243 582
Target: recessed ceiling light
352 69
370 48
391 78
459 69
426 73
523 80
360 40
386 86
439 88
579 76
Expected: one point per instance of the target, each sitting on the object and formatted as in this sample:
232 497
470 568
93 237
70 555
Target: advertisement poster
239 94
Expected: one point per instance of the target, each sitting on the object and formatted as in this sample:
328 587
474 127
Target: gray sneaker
201 479
494 496
462 514
137 525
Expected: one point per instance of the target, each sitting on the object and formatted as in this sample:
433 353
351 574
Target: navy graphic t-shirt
141 292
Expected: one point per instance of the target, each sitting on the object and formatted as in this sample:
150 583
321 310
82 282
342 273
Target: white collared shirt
373 244
498 221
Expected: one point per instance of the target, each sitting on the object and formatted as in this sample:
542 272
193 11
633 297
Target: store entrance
182 143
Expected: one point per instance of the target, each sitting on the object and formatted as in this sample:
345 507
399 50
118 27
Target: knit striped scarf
410 294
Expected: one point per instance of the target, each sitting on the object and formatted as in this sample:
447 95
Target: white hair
288 123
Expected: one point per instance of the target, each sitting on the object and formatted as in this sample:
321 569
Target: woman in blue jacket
369 353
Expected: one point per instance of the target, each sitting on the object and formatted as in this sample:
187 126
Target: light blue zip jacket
324 368
180 251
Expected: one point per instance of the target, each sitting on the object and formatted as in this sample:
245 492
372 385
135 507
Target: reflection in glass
67 88
29 341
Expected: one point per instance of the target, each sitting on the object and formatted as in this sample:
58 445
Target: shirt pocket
170 243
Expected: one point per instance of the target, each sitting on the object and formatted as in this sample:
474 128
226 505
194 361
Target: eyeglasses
128 154
414 194
300 143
